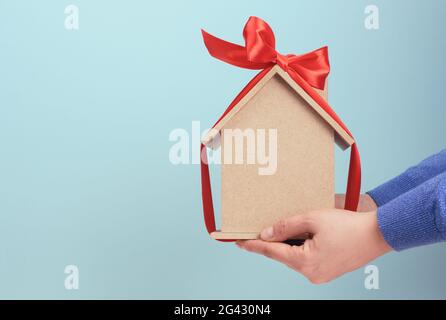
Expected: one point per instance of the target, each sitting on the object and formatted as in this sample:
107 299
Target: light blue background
85 117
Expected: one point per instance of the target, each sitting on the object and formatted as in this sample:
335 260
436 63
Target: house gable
342 138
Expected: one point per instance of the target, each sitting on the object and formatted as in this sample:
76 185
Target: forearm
410 179
417 217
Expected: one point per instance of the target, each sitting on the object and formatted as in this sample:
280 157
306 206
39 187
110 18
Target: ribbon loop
260 42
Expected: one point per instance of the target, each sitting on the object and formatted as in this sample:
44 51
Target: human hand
341 241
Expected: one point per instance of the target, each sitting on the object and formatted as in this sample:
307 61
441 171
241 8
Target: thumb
289 228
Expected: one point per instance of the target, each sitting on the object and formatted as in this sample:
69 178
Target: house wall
304 179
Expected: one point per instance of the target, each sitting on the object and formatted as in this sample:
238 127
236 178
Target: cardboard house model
304 177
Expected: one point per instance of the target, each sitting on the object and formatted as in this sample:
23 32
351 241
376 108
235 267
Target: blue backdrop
85 117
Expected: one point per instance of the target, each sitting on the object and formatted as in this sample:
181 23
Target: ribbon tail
229 52
206 194
354 180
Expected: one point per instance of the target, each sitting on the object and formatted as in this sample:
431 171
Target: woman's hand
341 241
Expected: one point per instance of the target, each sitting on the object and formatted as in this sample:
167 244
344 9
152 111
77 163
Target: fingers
289 255
288 228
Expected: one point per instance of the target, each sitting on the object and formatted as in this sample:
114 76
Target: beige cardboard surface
304 179
234 235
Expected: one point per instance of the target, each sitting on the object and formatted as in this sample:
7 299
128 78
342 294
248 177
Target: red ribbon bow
260 52
309 70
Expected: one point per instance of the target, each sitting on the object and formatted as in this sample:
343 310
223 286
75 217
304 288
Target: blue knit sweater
412 206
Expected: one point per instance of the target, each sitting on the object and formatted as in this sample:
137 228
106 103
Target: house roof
342 138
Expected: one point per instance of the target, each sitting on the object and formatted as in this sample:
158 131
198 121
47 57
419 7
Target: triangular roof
343 139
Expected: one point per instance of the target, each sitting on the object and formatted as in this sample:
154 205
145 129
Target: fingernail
267 233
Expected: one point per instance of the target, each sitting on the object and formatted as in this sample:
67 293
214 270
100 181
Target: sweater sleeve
409 179
417 217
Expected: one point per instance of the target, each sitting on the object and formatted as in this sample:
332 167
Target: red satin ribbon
309 71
